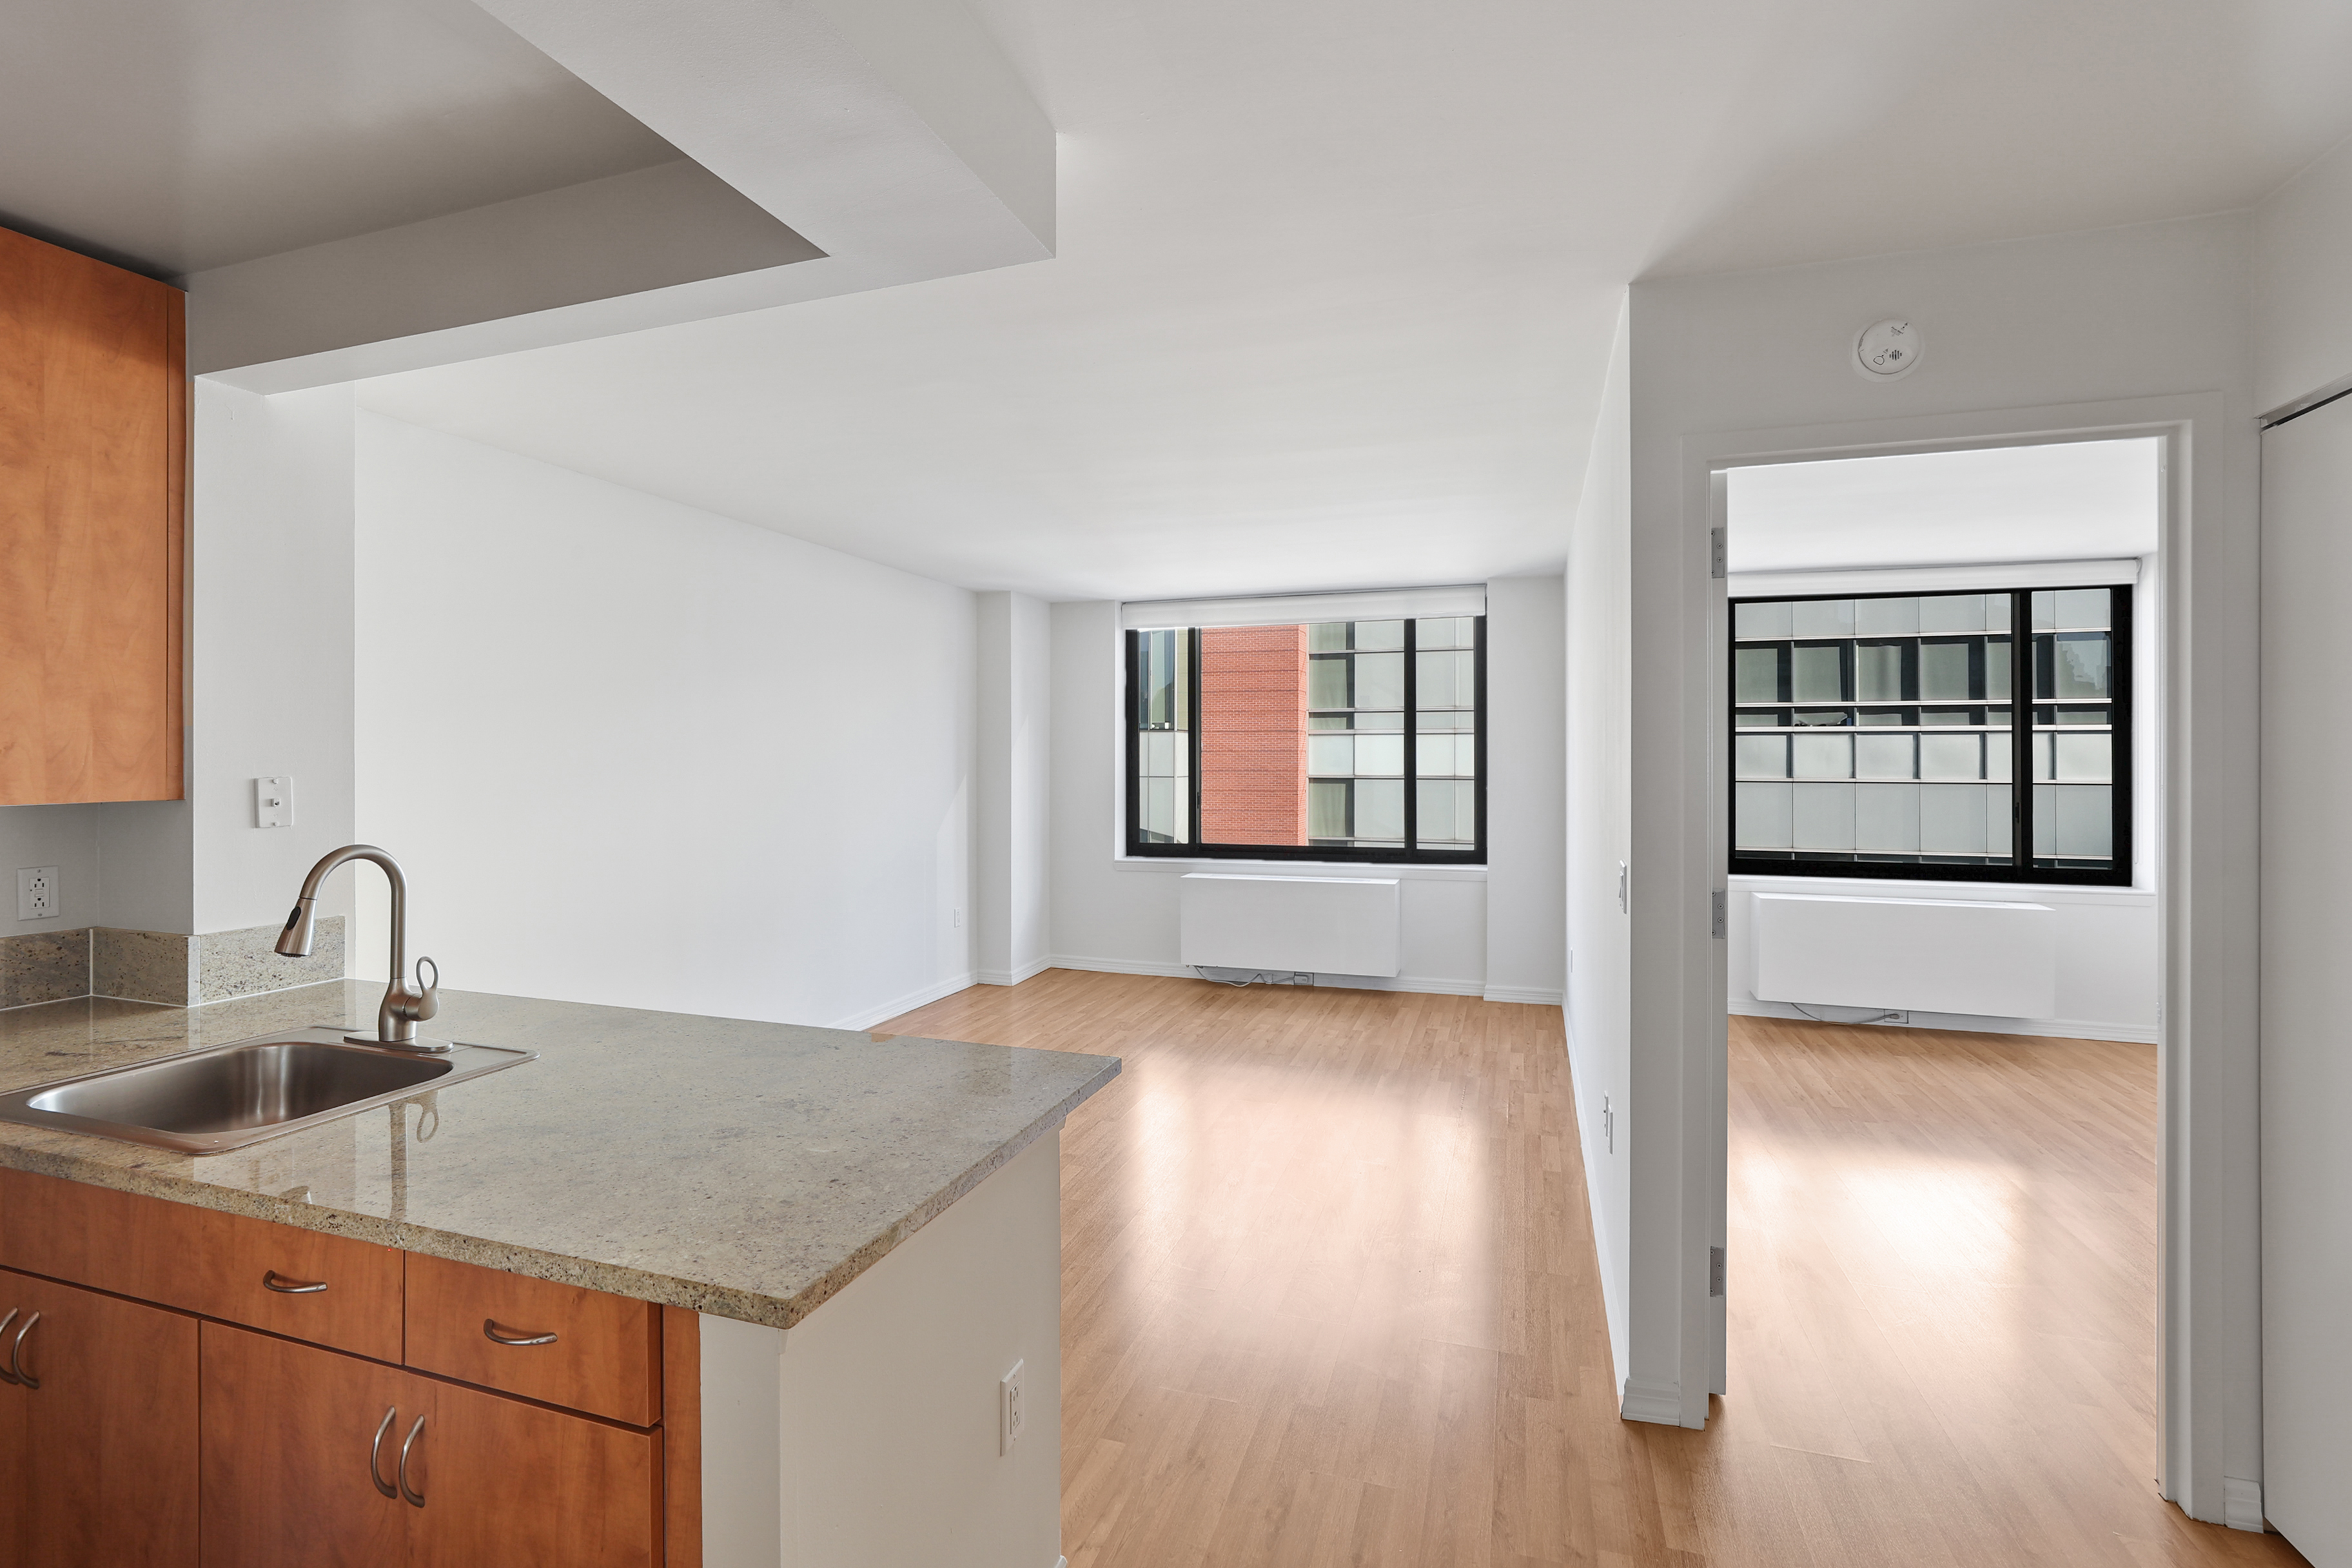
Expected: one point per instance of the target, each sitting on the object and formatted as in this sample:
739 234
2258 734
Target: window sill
1905 886
1408 872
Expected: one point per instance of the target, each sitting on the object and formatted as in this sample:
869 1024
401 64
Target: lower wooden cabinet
97 1429
302 1445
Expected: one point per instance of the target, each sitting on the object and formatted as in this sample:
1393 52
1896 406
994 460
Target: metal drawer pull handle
273 1280
16 1355
490 1333
415 1498
376 1455
6 1375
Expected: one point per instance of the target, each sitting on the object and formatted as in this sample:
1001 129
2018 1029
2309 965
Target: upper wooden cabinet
93 469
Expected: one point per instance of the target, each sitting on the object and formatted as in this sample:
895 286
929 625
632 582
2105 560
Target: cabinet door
13 1494
517 1484
109 1436
289 1437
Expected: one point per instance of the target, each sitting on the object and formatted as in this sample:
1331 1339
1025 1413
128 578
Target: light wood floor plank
1330 1301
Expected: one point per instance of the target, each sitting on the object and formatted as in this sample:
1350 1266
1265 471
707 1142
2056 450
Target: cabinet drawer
597 1353
222 1266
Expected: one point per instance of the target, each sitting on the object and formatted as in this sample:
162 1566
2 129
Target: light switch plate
37 892
273 801
1010 1416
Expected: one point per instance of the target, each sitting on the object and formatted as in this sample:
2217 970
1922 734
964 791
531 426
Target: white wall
1526 811
2302 312
637 753
1013 788
271 650
1600 835
1118 914
2117 330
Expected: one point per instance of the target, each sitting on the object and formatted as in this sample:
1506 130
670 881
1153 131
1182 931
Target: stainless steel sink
226 1097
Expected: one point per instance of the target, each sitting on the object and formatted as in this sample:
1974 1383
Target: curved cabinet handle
6 1375
415 1498
497 1336
16 1355
273 1280
375 1454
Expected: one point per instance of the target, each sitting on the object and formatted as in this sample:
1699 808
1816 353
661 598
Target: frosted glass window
1817 672
1331 754
1878 671
1953 612
1769 620
1824 814
1763 756
1887 818
1380 679
2084 756
1951 819
2082 608
1944 669
1762 816
1380 755
1952 756
1380 808
1446 680
1823 756
1886 618
1822 619
1885 756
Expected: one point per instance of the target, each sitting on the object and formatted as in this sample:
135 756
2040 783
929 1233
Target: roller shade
1928 579
1294 609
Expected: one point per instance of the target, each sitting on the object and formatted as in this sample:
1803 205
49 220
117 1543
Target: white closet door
2306 1007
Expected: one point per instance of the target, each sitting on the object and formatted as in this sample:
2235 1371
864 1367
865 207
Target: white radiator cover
1324 925
1926 955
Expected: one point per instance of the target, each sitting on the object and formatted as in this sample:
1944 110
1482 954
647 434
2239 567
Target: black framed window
1881 736
1359 741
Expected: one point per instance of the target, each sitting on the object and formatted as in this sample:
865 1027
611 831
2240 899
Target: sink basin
226 1097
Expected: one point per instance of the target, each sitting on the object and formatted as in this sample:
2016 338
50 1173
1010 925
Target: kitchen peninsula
682 1291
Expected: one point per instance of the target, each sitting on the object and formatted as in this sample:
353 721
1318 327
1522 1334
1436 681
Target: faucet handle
428 1000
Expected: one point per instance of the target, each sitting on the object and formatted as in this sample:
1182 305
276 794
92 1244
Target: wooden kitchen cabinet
93 471
97 1463
291 1437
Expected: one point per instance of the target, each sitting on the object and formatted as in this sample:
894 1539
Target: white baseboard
1428 984
1035 966
2242 1504
1120 966
906 1004
2054 1028
1531 994
1658 1403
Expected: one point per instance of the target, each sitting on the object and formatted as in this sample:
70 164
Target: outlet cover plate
37 892
273 801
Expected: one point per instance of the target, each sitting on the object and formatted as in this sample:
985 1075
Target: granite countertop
742 1169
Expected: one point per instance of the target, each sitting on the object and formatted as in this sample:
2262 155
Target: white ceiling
1336 282
2081 501
178 135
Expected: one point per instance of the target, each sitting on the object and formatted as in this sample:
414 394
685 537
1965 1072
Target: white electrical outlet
1009 1417
273 801
37 892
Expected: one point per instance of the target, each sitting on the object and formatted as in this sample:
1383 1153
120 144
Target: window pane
1953 612
1996 659
1821 617
2084 756
1379 753
1380 808
1878 671
1887 818
1952 756
1952 819
1758 675
1380 679
1328 636
1817 672
1762 816
1326 683
1253 735
1823 756
1824 817
2079 664
1380 634
1881 756
1771 620
1445 680
1435 803
1327 809
1944 669
1331 754
1764 756
1886 618
2083 609
1454 631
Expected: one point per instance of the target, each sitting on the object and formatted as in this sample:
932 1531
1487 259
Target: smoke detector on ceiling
1889 350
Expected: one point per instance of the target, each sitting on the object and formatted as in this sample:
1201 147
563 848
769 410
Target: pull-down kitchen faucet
404 1005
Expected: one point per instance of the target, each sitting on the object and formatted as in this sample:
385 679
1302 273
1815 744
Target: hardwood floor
1330 1296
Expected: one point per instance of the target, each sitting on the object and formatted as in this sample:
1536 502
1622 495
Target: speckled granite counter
742 1169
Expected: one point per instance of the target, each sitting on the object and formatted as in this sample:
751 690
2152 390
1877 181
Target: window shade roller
1291 609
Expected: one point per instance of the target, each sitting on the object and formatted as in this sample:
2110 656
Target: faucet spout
404 1005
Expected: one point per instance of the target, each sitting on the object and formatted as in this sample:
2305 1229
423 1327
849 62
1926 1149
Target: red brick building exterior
1253 735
